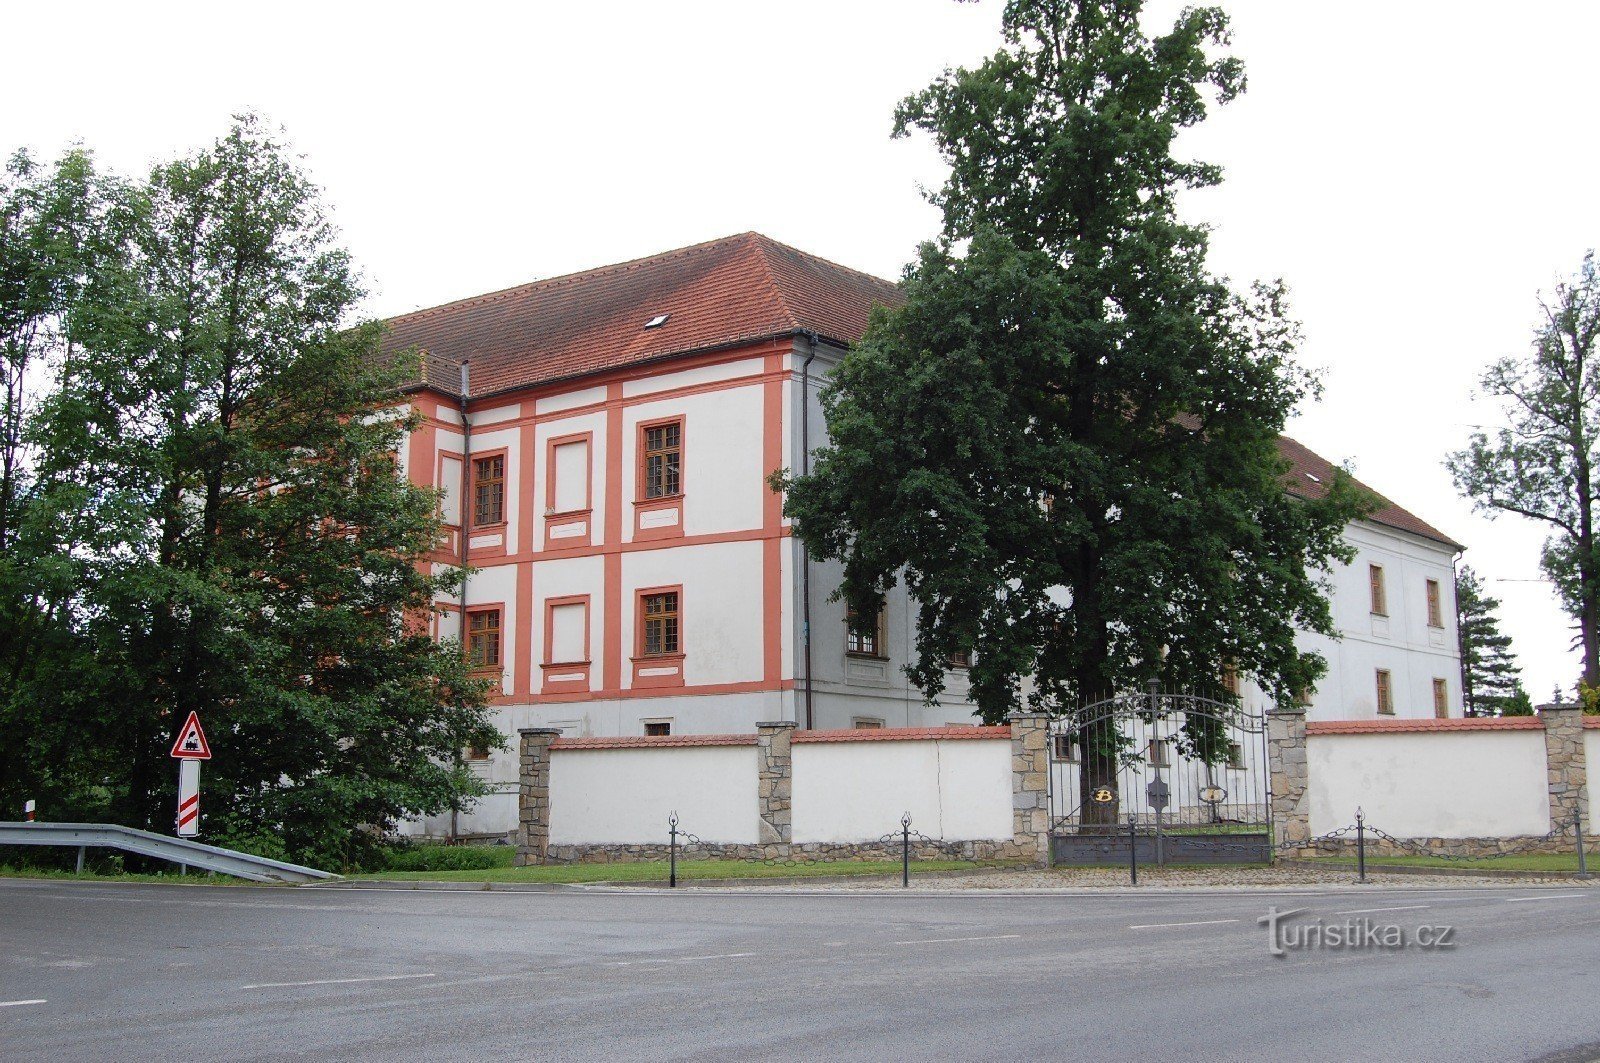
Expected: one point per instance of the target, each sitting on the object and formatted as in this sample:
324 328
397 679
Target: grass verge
656 871
194 878
1525 862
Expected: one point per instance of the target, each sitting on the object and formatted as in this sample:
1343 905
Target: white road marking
684 959
1551 897
1198 922
18 1003
1396 908
943 941
338 981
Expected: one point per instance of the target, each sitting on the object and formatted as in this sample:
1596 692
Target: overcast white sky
1416 171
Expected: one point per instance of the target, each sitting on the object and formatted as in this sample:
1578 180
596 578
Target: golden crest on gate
1104 794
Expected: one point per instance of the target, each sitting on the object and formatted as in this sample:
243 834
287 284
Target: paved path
123 972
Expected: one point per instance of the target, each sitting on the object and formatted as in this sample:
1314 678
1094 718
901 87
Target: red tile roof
1309 474
719 294
1364 727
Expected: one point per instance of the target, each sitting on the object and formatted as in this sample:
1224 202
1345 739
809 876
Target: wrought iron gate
1175 778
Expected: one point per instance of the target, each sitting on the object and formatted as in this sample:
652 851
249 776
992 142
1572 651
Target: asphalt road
113 972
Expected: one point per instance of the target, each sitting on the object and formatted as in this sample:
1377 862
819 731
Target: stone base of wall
1345 846
806 851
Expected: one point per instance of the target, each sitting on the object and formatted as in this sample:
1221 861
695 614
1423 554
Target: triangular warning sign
191 743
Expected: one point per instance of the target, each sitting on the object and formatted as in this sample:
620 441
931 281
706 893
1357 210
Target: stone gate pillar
775 786
1568 772
1286 759
1030 786
533 794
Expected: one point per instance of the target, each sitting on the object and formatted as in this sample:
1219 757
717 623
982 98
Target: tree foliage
1066 440
218 451
1490 683
1542 464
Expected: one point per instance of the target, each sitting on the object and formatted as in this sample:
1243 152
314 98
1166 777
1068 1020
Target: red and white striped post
27 809
188 798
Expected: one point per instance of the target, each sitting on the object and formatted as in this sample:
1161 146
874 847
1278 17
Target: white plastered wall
1466 784
858 790
623 796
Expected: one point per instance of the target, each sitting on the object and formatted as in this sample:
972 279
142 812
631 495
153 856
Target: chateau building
603 442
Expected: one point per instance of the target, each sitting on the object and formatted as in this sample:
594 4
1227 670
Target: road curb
1451 872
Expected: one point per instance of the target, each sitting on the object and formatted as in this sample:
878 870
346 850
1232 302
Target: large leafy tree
1490 685
223 447
1543 465
57 229
1066 440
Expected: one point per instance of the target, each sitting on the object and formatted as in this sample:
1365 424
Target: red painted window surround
583 515
658 661
560 677
672 487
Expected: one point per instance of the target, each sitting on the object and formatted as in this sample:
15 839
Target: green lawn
656 871
1525 862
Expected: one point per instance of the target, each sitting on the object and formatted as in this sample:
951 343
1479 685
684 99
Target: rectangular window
663 460
961 659
1230 680
659 622
1158 754
489 490
450 484
1065 748
1435 613
569 632
477 753
569 476
1441 699
1380 601
864 634
483 638
867 723
1303 699
1235 756
657 728
1385 692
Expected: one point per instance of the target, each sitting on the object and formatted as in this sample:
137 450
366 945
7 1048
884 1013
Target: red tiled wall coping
1362 727
653 742
904 734
877 734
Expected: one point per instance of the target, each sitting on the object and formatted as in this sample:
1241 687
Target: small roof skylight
657 321
1313 479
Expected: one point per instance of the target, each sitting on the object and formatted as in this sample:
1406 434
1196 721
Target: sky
1416 171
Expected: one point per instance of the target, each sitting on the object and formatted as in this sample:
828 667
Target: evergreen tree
223 446
1066 440
1489 674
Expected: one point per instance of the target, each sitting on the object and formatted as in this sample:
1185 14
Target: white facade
565 569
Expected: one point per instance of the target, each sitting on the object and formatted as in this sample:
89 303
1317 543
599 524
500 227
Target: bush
429 857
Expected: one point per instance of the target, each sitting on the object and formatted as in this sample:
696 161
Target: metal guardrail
161 847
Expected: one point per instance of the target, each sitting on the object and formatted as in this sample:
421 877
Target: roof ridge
484 298
760 243
770 242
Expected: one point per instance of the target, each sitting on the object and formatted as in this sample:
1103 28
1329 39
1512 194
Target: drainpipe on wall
461 530
805 554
